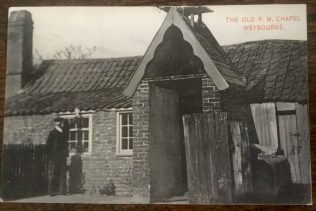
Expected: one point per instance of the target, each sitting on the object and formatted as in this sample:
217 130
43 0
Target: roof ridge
67 91
260 41
90 59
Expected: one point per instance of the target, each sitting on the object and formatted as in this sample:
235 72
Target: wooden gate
207 155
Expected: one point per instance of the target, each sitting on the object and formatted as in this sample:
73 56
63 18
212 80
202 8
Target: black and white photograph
164 105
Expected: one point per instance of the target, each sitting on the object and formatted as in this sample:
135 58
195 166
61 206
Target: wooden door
167 156
289 143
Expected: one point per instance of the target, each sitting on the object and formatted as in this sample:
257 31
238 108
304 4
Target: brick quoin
211 96
141 177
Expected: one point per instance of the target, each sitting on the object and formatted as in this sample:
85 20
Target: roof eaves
225 65
174 18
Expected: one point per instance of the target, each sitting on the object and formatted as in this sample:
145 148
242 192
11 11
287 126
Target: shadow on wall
76 178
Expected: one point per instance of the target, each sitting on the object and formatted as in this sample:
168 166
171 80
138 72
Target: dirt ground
79 199
95 199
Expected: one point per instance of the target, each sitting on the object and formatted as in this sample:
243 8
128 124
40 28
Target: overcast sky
128 31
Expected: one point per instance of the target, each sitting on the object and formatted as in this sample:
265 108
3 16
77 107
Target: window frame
84 115
119 150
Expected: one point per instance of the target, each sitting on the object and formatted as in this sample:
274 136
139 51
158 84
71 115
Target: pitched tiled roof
277 69
63 85
222 62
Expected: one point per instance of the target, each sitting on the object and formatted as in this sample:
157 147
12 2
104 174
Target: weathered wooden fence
207 155
24 172
241 158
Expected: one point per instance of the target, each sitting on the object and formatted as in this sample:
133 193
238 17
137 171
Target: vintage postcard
181 105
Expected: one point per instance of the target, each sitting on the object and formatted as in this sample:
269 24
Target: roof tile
64 85
285 62
223 63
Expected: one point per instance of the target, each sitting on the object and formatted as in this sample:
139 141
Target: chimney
19 51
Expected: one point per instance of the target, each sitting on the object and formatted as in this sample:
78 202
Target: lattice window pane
85 135
130 119
124 132
79 135
130 131
124 119
131 143
124 143
85 122
73 135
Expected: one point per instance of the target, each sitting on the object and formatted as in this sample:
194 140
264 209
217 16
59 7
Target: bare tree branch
75 52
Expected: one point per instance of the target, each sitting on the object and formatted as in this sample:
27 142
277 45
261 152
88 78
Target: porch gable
220 78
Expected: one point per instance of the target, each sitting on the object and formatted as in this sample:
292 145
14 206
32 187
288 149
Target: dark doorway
169 100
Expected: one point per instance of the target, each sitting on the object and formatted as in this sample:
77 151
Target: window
125 133
80 133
